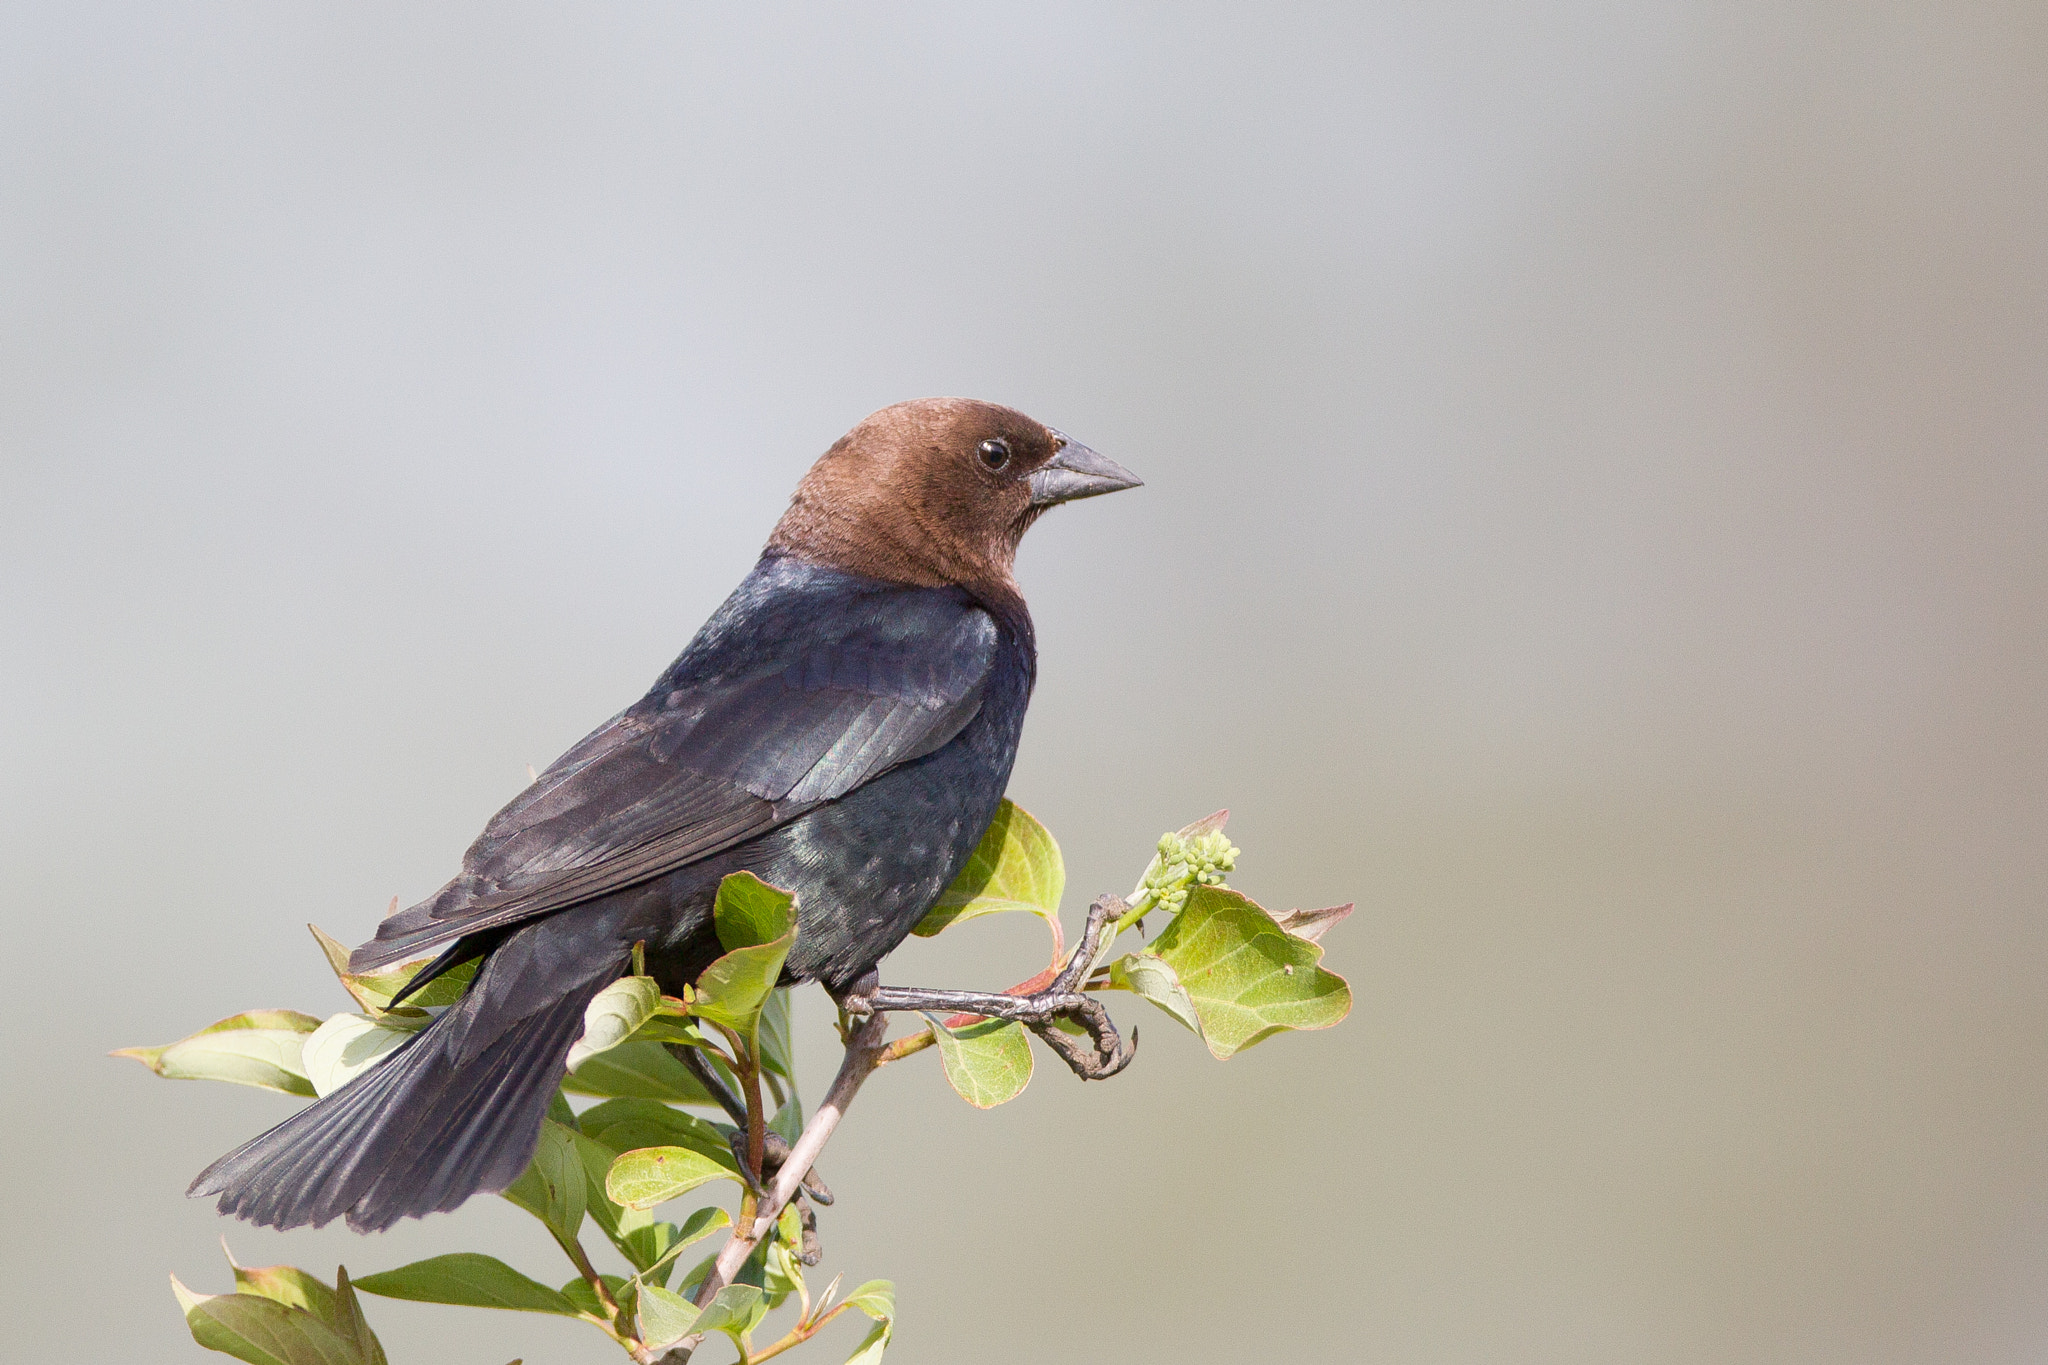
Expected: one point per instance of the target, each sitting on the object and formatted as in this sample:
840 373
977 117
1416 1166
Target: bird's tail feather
455 1111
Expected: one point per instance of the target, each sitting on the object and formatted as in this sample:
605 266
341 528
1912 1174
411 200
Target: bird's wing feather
748 730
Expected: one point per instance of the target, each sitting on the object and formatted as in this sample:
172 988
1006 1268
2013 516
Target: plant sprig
1221 965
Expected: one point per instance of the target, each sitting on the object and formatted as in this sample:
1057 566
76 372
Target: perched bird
843 727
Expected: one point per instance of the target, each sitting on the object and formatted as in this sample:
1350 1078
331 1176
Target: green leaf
1150 976
1016 866
288 1285
733 990
349 1044
373 990
1247 977
579 1292
648 1176
470 1279
551 1187
749 912
614 1015
873 1345
695 1275
778 1044
789 1120
665 1318
350 1324
596 1160
622 1125
262 1331
263 1048
782 1274
736 1311
988 1063
637 1070
877 1299
657 1243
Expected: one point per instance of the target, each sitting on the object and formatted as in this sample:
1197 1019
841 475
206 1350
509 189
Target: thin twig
864 1053
573 1248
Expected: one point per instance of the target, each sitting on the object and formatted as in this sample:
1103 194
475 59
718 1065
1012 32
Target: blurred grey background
1596 520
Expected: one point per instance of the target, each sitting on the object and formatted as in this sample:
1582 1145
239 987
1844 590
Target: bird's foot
774 1147
1042 1011
774 1151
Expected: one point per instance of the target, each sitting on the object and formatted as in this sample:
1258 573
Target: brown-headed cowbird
843 727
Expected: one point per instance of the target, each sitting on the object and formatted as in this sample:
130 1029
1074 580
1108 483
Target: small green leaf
1150 976
736 1311
262 1331
350 1324
374 990
778 1045
695 1275
657 1243
622 1125
782 1274
551 1187
596 1160
749 912
789 1120
1247 977
263 1048
873 1345
470 1279
733 990
665 1318
648 1176
1016 866
637 1070
288 1285
349 1044
988 1063
877 1299
579 1292
614 1015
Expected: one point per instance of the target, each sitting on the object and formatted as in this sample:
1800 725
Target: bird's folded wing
731 745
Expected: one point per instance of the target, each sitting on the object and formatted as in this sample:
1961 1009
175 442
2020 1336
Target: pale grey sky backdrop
1595 520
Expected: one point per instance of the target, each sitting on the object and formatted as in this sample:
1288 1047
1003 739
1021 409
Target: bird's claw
1107 1055
1041 1011
774 1151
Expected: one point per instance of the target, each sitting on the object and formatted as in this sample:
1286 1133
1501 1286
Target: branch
865 1052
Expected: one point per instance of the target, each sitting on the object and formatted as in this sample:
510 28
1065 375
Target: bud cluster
1201 860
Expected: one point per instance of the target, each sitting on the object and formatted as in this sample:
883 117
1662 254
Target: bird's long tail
455 1111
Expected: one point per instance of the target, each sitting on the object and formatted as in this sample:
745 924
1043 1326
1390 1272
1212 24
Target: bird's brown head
938 491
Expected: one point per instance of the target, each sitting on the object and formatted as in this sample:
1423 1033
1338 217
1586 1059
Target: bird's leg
698 1065
1040 1011
775 1149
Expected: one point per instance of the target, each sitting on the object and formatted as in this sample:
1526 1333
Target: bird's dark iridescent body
912 826
842 727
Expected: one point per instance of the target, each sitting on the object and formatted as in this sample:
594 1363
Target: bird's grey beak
1078 472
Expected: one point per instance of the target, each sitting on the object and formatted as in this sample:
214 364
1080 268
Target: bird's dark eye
994 452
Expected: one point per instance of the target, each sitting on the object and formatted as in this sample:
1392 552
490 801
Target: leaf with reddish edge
1313 924
988 1063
